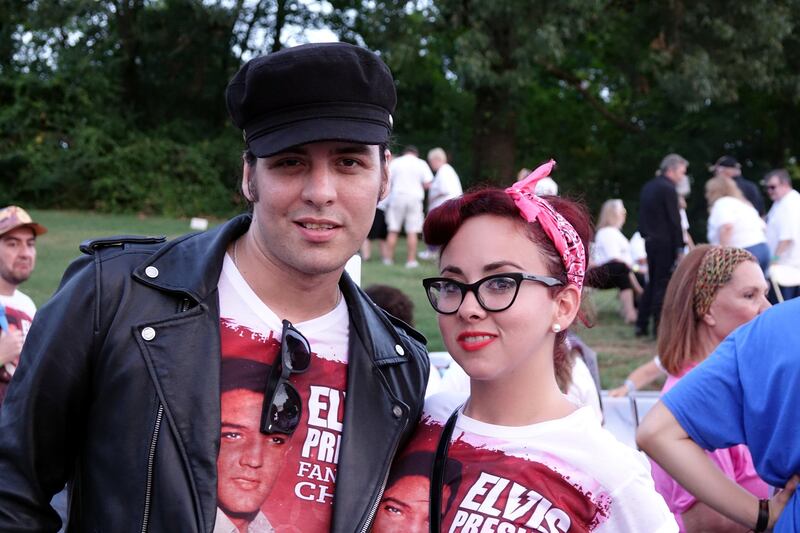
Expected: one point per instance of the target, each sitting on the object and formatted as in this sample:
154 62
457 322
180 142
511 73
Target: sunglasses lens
286 409
299 351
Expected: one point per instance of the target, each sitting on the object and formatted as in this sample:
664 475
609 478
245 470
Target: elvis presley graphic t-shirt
277 482
565 475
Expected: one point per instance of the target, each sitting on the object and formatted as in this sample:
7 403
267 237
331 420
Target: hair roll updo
443 222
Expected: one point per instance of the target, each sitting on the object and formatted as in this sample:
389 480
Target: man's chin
17 278
248 515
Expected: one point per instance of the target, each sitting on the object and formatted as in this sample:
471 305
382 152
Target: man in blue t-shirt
744 393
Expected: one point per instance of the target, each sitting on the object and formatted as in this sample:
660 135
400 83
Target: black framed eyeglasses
494 293
283 406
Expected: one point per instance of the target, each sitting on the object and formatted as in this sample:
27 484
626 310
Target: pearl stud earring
556 328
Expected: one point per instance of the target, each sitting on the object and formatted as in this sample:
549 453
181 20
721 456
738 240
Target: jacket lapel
187 383
376 416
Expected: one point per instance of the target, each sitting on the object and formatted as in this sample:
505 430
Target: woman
512 268
713 291
611 258
732 221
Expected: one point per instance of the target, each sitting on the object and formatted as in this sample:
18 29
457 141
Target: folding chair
783 276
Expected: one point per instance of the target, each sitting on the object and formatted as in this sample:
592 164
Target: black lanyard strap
437 475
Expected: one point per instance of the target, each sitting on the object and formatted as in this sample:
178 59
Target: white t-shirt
249 330
259 524
445 186
748 228
19 310
561 475
582 391
610 244
638 250
783 224
408 174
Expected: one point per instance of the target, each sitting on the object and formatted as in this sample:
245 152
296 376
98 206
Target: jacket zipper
374 508
151 459
151 455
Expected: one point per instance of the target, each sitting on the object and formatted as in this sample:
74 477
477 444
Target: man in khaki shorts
409 177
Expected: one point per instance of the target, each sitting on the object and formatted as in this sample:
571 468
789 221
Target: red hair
444 222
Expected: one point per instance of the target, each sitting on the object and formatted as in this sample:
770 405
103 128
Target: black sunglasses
494 293
282 404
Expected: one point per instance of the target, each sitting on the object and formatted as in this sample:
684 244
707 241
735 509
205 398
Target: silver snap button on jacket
151 272
399 349
148 333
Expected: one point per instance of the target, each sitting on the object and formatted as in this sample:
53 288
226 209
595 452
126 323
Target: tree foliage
117 104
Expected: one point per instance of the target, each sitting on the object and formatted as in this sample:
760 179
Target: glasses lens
284 413
445 296
298 349
497 293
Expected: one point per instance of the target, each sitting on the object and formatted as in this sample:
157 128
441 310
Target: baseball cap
13 217
725 161
309 93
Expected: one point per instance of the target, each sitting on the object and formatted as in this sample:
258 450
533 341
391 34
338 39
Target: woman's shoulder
611 462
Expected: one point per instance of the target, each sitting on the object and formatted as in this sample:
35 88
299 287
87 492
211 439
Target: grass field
619 351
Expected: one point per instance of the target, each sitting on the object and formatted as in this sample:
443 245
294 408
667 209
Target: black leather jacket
133 422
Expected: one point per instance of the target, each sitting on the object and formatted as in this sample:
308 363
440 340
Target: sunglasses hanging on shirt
283 406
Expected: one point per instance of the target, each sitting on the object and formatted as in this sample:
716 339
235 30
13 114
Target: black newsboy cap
312 92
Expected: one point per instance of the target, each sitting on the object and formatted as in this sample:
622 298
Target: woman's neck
522 397
707 342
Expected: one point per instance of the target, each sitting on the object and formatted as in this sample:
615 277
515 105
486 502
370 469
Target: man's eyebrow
396 501
232 425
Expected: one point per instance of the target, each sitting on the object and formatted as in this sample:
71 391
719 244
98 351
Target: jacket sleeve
673 217
44 414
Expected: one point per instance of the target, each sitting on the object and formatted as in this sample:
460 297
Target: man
119 387
410 176
405 506
660 226
783 224
17 260
730 168
445 185
249 461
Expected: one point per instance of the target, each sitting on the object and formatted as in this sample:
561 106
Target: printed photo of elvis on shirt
490 484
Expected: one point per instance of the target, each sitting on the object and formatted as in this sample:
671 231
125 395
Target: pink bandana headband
564 237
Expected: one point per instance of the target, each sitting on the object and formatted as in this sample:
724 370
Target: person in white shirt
410 176
733 221
612 262
445 185
783 224
18 234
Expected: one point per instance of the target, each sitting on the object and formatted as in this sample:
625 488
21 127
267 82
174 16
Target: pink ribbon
561 233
